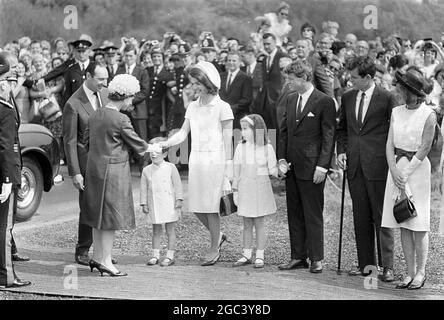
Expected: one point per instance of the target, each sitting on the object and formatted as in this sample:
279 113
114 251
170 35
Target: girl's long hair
260 132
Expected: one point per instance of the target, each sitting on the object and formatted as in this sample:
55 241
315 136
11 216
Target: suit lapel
291 109
308 105
354 116
84 101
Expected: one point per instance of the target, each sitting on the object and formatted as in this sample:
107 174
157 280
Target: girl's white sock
156 253
260 254
247 253
170 254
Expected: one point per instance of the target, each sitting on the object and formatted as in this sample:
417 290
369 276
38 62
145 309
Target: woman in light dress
410 138
210 121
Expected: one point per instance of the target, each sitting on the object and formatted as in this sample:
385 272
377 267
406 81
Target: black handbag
404 209
227 205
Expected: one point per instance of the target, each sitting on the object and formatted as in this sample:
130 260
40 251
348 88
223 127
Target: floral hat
123 86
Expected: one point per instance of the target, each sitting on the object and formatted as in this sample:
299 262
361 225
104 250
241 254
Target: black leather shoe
387 275
294 264
16 257
358 272
316 267
416 286
82 259
19 283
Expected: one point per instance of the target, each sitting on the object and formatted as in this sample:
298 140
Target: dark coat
108 187
74 78
309 142
139 102
320 79
10 157
265 102
239 95
156 95
77 111
366 146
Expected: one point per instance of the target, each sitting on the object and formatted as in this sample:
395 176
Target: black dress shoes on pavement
294 264
358 272
16 257
316 267
387 275
19 283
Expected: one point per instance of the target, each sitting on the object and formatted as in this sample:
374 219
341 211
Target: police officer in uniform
156 99
111 59
75 75
10 178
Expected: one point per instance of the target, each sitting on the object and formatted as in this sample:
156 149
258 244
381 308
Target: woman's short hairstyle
307 25
365 65
260 132
203 79
54 59
300 68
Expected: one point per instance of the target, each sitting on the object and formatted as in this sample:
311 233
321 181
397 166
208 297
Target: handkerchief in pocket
310 114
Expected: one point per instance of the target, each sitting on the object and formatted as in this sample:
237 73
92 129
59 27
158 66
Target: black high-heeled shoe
94 264
103 269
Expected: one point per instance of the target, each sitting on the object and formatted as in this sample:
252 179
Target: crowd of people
371 107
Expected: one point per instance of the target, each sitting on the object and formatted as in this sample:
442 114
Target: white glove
411 167
6 192
229 169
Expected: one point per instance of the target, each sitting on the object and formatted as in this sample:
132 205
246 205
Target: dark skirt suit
108 191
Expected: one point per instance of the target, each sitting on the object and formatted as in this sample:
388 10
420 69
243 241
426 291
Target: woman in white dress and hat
210 121
412 128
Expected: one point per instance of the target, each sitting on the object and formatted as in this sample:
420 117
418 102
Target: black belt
399 153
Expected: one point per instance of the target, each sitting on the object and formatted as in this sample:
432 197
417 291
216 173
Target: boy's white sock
156 253
260 254
170 254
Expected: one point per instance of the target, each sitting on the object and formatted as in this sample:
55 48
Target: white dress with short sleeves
408 127
253 164
207 159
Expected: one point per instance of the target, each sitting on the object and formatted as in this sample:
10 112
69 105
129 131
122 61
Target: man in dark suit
236 88
78 109
307 138
362 136
253 69
140 113
265 103
156 96
75 75
320 79
10 177
111 60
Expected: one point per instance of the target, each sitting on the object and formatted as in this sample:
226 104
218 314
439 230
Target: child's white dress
160 187
252 167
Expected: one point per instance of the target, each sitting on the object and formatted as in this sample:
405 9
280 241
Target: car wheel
30 194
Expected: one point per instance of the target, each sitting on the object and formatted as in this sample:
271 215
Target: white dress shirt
83 65
131 68
251 67
305 97
232 75
270 58
91 97
367 98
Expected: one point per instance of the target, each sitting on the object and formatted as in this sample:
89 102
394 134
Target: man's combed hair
269 35
300 68
365 65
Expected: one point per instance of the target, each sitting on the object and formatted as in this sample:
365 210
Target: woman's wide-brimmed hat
413 81
210 70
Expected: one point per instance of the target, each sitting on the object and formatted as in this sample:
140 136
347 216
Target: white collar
369 91
234 73
88 91
307 93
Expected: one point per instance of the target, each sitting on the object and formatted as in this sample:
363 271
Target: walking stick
344 175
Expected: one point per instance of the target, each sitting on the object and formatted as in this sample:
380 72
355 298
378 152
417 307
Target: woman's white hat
210 70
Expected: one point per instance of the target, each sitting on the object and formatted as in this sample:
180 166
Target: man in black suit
307 138
157 93
10 177
75 75
265 103
111 60
253 69
88 98
362 136
236 88
140 113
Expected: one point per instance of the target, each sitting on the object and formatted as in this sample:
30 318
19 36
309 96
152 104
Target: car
41 163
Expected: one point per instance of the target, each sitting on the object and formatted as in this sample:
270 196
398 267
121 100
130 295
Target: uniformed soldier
76 73
10 177
156 97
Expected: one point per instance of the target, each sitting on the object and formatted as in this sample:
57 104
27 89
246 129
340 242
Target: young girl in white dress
161 199
254 160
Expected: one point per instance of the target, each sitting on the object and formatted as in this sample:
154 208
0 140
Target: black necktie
360 110
299 108
99 102
228 81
